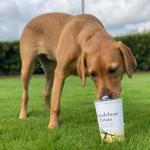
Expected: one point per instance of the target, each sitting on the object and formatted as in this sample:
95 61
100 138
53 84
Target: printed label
110 119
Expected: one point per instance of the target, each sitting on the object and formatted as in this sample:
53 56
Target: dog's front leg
55 105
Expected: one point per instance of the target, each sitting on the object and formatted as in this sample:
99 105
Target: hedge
139 44
9 57
10 62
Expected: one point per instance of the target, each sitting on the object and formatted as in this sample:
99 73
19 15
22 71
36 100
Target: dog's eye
112 71
93 75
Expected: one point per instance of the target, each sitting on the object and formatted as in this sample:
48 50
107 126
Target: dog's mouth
105 97
107 93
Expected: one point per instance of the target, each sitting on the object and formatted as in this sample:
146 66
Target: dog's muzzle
105 97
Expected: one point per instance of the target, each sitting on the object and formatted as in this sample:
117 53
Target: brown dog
72 45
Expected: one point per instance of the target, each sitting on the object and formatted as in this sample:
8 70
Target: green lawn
78 123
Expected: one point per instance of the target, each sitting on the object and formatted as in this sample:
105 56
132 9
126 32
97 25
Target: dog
72 45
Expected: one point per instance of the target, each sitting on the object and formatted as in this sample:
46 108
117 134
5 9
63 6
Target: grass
78 123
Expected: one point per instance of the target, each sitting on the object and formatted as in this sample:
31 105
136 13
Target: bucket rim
98 101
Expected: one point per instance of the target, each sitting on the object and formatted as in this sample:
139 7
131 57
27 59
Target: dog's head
105 64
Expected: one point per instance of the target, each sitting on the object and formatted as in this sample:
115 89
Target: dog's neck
98 34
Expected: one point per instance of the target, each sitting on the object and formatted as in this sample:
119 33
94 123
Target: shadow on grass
38 113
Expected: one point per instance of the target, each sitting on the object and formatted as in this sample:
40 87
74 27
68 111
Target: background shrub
139 43
10 62
9 58
140 46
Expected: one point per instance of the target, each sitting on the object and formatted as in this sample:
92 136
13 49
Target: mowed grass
78 123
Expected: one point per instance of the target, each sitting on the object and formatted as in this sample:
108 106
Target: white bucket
110 119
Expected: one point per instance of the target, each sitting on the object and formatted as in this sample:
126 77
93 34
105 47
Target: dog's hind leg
49 68
26 73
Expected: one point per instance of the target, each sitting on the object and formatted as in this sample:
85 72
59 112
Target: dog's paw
22 116
52 127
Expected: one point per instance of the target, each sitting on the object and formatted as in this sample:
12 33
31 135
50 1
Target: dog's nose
105 97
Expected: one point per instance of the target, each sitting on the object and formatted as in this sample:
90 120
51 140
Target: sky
119 17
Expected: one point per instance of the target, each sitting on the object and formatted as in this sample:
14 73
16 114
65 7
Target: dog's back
43 32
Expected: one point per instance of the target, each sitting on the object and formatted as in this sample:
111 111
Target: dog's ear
81 68
129 60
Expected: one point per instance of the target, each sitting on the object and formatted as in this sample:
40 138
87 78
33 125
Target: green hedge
10 62
9 57
139 44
